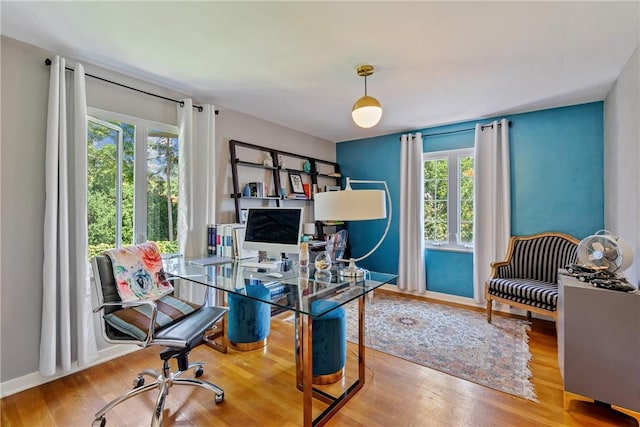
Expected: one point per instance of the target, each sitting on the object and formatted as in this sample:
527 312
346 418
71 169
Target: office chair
167 321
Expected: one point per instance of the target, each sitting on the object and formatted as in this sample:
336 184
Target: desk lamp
354 205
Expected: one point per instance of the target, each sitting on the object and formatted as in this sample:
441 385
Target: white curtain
492 218
196 148
67 321
196 181
411 269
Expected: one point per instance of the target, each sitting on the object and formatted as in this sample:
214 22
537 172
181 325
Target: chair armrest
495 266
131 304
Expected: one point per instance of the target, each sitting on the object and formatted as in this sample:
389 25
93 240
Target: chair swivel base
328 378
164 381
248 346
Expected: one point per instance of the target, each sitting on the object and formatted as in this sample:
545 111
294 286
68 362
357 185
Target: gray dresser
599 343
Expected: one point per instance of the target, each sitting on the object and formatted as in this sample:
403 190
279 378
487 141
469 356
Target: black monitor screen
273 229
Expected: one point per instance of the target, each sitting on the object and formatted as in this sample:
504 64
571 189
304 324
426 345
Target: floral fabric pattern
138 272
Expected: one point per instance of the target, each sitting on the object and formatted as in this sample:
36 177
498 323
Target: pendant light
367 110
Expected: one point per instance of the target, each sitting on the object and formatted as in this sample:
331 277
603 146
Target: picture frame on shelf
295 179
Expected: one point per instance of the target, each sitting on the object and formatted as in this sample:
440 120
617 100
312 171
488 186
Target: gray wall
234 125
622 158
25 83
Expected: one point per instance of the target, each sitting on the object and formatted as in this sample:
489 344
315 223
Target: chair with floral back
138 307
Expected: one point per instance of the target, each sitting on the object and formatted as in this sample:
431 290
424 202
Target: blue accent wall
557 184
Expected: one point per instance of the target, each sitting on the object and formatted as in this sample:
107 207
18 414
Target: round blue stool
329 333
248 320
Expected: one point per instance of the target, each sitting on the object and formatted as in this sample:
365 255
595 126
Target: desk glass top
296 290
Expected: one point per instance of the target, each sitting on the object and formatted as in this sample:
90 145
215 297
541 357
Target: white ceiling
293 63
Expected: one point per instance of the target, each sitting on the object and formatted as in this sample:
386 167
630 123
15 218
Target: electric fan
604 251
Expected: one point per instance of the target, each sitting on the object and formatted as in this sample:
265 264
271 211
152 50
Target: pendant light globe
367 111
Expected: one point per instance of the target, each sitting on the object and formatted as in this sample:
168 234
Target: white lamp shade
350 205
366 112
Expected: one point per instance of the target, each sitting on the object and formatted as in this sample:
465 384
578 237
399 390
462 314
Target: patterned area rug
453 340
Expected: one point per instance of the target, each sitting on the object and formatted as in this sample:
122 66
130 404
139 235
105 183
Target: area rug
453 340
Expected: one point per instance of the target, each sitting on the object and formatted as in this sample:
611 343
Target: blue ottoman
249 321
329 342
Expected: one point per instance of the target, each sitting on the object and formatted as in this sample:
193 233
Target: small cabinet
599 343
271 182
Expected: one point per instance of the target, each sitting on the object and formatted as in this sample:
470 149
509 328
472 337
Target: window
132 186
448 199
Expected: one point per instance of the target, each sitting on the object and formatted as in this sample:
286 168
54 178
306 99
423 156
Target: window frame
454 218
142 127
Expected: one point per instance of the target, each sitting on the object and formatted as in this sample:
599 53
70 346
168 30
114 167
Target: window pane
129 132
436 189
104 184
466 232
162 190
101 185
466 211
466 203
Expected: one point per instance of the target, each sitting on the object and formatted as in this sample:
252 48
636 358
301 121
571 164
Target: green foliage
164 247
466 199
436 200
436 193
102 183
167 247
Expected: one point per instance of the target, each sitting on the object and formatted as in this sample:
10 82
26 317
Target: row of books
225 240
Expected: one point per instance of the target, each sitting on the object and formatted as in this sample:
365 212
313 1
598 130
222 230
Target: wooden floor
260 391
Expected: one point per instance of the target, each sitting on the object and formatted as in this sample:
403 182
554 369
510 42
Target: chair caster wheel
219 398
99 422
198 372
138 382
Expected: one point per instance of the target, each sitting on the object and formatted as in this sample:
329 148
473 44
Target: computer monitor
274 229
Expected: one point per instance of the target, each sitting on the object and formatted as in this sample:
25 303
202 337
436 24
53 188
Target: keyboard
265 265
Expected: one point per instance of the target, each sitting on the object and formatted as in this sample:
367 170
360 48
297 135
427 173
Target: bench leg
489 308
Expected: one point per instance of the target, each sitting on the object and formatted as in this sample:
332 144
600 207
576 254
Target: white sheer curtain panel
67 331
196 180
411 269
492 218
196 148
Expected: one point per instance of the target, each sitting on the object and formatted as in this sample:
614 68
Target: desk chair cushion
138 272
190 329
135 321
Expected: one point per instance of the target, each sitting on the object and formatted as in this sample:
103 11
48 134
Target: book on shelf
211 239
238 240
298 196
224 244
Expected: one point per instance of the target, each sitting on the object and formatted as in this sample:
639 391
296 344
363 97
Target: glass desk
296 291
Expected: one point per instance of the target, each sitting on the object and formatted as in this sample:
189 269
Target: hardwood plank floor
260 391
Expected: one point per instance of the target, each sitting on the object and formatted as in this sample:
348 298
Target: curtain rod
198 107
463 130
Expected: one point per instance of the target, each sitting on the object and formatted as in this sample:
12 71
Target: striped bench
528 277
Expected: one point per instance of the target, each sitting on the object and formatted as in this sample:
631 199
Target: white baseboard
16 385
